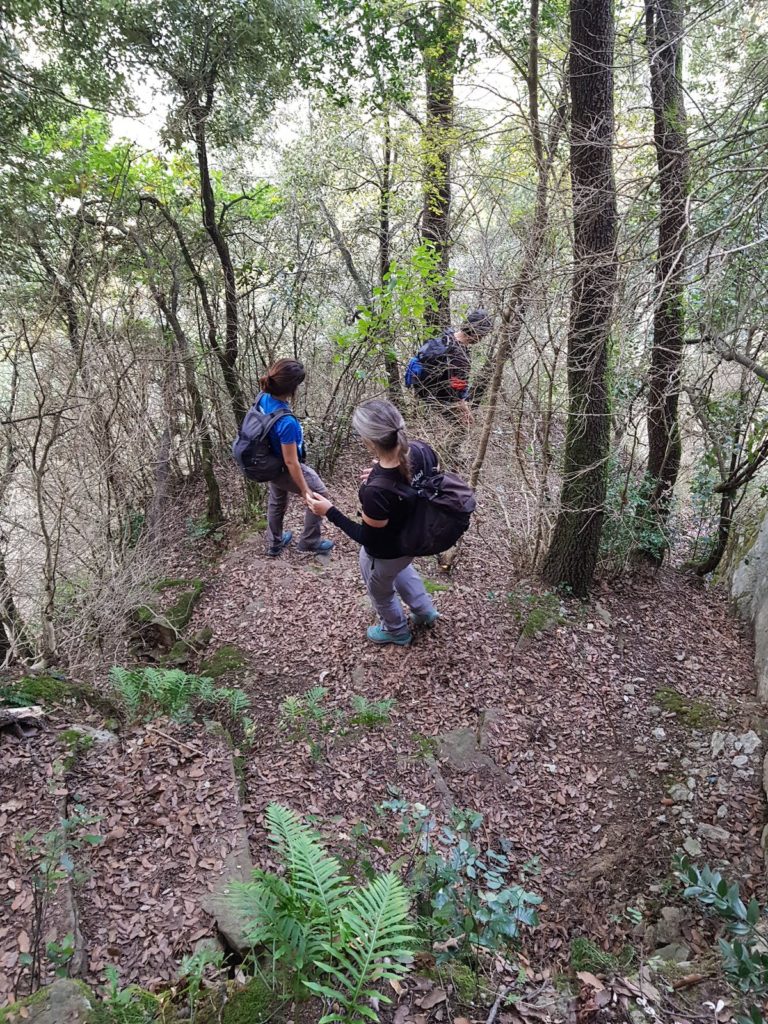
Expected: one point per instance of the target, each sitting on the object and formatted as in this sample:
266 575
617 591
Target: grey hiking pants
386 578
279 490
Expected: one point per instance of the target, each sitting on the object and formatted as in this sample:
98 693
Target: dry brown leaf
431 999
589 979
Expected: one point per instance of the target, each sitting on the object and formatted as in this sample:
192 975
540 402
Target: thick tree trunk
664 39
439 66
573 551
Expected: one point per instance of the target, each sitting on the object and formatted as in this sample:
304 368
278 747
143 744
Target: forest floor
597 738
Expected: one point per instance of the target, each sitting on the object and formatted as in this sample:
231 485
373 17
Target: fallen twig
500 997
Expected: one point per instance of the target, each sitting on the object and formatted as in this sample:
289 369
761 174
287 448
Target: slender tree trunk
513 315
573 551
664 39
168 307
217 236
231 380
390 359
439 69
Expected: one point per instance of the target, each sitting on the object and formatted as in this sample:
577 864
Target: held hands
317 503
465 414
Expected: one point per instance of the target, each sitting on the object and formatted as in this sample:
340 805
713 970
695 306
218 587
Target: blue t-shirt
287 430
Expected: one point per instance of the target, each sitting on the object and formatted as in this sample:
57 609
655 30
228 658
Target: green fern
376 945
174 692
333 938
314 874
371 713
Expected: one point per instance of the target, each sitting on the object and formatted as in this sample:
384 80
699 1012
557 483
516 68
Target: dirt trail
584 729
595 737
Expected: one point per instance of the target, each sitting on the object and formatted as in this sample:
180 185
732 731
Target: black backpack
441 505
429 371
251 448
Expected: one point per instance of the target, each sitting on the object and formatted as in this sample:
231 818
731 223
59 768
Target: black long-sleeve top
377 503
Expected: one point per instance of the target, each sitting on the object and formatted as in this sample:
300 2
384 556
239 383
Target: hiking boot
321 548
382 636
427 619
285 540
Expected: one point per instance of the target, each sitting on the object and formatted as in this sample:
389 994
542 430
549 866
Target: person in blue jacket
286 439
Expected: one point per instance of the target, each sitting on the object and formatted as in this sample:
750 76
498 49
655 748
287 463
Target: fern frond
378 941
315 875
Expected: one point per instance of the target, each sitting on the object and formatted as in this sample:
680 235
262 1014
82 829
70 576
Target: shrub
745 959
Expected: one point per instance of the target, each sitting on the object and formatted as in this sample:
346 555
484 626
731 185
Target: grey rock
713 833
460 749
750 742
722 811
63 1002
692 847
630 689
99 736
717 743
674 952
237 867
209 944
749 590
765 774
740 761
659 734
680 793
669 928
603 614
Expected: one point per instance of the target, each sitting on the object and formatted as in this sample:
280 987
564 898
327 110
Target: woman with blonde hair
387 573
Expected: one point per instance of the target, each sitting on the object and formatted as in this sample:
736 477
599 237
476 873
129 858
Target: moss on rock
253 1004
53 690
227 658
696 714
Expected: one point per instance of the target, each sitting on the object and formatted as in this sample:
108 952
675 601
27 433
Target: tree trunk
168 308
725 521
572 555
513 315
664 40
390 359
440 55
231 380
212 226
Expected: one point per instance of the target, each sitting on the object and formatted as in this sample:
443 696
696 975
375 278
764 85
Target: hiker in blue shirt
286 438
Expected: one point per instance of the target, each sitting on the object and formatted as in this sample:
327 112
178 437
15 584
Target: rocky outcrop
749 589
63 1002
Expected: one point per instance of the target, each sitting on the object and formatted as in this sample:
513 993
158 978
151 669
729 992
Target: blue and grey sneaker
382 636
285 540
321 548
427 619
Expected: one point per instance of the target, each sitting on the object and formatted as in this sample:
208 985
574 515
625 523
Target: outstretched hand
318 504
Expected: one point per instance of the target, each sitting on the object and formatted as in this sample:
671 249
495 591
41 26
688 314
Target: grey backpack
251 448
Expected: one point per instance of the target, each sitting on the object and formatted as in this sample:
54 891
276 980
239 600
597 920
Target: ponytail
283 377
403 450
